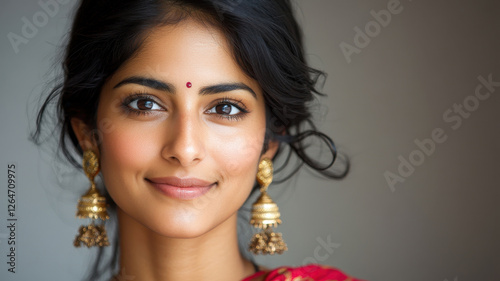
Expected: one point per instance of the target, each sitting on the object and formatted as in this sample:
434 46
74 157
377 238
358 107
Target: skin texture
185 134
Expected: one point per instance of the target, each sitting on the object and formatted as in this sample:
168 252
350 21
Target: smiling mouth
183 189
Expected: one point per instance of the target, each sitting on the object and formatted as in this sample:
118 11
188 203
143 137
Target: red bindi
188 84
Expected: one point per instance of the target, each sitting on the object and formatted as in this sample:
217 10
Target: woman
181 105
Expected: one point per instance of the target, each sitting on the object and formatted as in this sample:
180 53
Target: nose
184 144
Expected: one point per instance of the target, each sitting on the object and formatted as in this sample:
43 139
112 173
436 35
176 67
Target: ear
83 134
272 148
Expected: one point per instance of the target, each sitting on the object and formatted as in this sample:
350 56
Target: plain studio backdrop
413 99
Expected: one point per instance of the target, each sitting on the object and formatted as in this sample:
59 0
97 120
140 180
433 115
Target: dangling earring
265 214
92 205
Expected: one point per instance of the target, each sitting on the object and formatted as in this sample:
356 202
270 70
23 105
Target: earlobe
272 149
83 134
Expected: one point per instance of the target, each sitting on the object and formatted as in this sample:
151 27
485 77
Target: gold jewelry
92 205
265 214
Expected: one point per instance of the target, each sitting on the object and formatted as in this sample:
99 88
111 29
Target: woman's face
181 132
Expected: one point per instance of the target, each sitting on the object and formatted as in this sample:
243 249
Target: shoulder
306 272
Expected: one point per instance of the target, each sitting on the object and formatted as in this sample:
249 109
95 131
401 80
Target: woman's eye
144 104
225 109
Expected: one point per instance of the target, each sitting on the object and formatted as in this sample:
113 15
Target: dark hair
266 42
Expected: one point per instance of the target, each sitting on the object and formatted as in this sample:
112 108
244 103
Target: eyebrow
167 87
148 82
226 87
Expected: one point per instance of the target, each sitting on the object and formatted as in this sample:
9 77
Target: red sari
304 273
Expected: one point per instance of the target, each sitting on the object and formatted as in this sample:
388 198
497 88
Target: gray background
441 223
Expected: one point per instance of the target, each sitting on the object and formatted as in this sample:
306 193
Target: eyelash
232 102
224 101
135 97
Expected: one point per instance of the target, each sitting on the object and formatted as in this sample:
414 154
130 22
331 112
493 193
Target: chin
182 230
173 224
182 233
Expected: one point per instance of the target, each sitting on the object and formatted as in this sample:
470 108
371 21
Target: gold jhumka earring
265 215
92 205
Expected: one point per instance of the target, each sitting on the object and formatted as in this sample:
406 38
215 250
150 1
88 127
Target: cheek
126 150
126 147
237 157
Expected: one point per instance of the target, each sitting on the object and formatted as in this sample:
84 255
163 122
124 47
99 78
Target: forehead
185 41
187 50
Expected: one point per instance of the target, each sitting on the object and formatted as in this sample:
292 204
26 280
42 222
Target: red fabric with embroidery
307 272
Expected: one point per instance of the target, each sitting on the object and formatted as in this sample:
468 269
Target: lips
184 189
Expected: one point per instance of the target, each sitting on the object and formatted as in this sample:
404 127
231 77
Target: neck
146 255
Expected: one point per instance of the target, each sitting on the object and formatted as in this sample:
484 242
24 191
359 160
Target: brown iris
145 104
223 109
